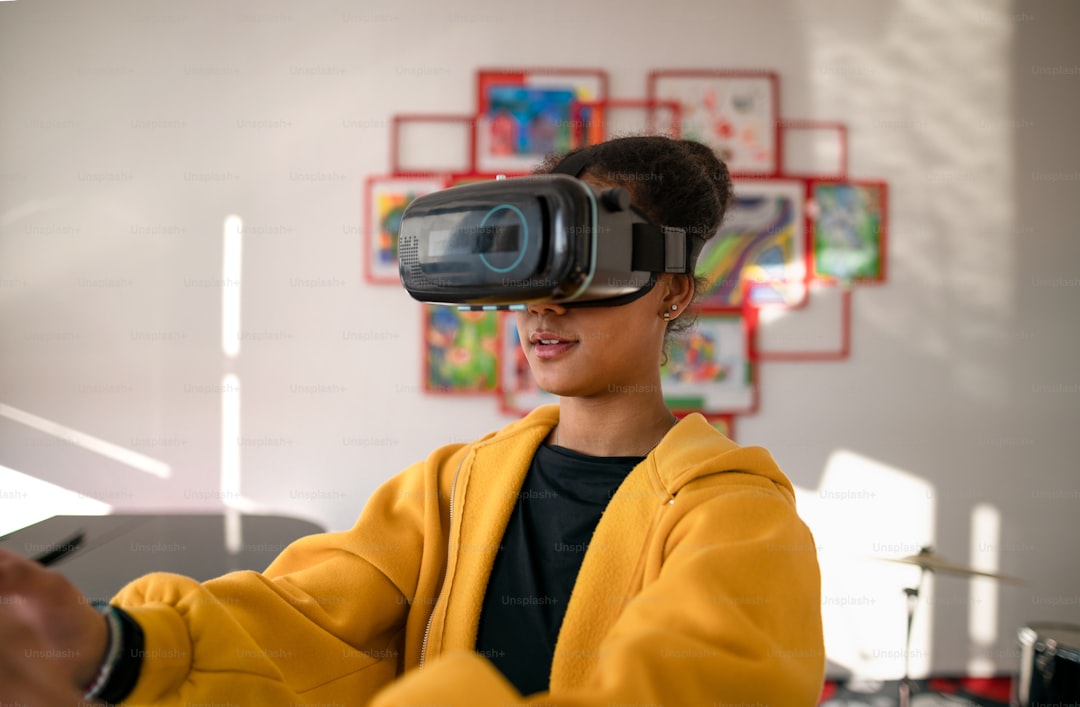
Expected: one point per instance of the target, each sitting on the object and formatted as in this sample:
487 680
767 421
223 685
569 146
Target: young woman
594 552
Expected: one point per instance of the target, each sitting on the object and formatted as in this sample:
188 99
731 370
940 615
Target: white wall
130 131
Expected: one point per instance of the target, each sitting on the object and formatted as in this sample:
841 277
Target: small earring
674 307
666 316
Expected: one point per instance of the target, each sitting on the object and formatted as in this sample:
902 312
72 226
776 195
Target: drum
1049 665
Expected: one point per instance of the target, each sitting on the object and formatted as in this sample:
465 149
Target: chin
560 387
571 390
563 391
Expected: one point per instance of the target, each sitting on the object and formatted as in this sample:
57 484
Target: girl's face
601 351
597 351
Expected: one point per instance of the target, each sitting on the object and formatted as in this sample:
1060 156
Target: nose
546 308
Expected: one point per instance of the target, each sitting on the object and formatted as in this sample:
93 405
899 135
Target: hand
41 607
26 679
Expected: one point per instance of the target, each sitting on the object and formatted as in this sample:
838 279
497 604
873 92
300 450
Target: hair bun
677 183
714 168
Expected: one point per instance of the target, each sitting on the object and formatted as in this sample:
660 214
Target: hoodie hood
693 449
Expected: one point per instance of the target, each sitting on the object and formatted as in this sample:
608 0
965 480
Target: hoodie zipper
431 617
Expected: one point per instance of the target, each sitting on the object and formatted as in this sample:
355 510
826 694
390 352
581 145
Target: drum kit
1049 673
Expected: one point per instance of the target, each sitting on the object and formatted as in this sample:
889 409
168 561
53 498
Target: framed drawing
518 392
523 115
734 112
384 203
848 230
595 121
459 350
430 144
710 371
762 239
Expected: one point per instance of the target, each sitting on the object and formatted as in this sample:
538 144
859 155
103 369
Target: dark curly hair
677 183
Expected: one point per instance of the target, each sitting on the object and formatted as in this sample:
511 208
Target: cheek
608 338
632 337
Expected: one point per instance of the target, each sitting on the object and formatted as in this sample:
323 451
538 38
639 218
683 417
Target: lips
549 338
547 344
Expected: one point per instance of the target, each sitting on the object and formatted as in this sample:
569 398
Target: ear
678 291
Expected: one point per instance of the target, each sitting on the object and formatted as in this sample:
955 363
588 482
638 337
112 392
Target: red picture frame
589 118
735 112
460 351
385 198
765 216
841 352
397 127
712 371
523 114
848 229
790 126
837 237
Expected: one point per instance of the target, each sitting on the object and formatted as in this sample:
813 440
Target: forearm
245 634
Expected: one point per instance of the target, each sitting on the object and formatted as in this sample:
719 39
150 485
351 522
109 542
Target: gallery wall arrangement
799 228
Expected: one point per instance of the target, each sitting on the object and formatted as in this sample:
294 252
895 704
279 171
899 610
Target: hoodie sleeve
729 612
325 623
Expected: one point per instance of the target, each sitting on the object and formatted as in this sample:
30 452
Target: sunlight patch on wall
230 460
864 513
985 556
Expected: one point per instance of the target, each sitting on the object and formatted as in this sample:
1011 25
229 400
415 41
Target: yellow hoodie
700 586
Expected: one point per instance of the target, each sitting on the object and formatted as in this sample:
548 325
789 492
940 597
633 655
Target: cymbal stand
912 594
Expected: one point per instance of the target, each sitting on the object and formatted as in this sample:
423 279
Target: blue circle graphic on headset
501 238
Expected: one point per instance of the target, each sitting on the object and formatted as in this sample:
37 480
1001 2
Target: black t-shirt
557 510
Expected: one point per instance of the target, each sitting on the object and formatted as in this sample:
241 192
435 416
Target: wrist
98 647
111 657
119 669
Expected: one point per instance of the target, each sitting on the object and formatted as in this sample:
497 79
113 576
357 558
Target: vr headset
507 243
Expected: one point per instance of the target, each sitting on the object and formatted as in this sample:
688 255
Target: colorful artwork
734 113
848 230
761 240
587 122
460 350
797 224
525 115
529 121
710 371
387 198
595 121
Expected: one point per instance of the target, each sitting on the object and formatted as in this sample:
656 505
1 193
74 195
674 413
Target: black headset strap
656 248
617 300
660 249
574 164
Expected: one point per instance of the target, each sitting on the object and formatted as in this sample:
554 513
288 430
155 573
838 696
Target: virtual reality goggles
507 243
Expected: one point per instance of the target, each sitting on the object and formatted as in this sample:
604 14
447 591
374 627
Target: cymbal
927 559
